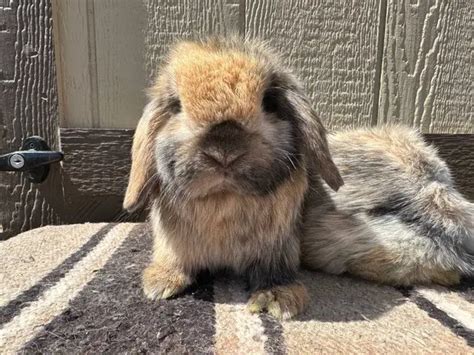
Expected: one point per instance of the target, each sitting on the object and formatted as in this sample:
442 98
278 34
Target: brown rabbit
221 150
238 170
398 219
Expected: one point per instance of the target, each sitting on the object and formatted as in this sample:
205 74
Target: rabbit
397 220
237 169
220 152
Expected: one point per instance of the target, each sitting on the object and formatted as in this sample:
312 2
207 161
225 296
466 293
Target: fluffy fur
221 150
237 168
398 219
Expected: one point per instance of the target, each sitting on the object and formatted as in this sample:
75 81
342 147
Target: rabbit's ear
314 139
142 174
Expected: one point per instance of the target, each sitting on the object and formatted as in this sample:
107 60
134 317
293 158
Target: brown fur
142 155
230 83
404 148
163 280
226 230
201 219
283 302
381 266
397 220
233 159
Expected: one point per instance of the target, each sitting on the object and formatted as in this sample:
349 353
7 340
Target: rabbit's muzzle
224 145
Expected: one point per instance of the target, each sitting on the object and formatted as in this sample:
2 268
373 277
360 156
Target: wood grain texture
97 161
7 102
458 151
28 107
75 58
100 51
7 41
169 21
8 28
95 174
332 45
427 77
120 62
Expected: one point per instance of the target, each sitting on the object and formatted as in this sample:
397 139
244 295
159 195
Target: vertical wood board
75 59
120 49
427 77
29 107
170 21
100 49
333 48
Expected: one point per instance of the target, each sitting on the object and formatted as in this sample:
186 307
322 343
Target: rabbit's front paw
162 282
282 302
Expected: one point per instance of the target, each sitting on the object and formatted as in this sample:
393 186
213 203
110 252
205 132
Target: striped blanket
76 289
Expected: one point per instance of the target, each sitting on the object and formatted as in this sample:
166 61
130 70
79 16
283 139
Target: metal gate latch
34 158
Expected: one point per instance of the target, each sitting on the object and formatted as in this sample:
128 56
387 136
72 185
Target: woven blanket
77 289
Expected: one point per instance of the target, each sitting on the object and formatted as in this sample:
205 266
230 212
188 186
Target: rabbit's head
224 117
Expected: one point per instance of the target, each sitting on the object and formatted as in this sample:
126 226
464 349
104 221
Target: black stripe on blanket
441 316
13 308
466 289
272 328
111 314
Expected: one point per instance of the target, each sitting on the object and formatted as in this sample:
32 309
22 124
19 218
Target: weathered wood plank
332 45
120 50
95 174
169 21
29 107
7 41
427 77
7 102
101 47
100 50
75 57
8 28
97 161
458 151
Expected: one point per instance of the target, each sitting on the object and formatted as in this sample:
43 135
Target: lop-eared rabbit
241 175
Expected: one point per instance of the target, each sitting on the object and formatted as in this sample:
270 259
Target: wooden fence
364 62
73 71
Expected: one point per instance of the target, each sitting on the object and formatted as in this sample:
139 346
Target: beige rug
76 289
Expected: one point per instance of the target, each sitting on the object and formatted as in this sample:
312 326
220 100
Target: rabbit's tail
398 219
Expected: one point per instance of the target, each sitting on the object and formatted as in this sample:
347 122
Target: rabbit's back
398 219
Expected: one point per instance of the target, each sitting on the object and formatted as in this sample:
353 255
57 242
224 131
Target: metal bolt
17 161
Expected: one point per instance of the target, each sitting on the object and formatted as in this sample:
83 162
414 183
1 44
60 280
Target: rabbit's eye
174 106
271 100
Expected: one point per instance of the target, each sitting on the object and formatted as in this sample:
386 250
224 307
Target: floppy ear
142 177
314 136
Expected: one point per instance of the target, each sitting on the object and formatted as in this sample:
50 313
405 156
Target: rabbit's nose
225 143
222 157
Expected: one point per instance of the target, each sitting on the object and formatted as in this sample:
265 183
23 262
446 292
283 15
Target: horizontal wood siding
99 159
458 151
